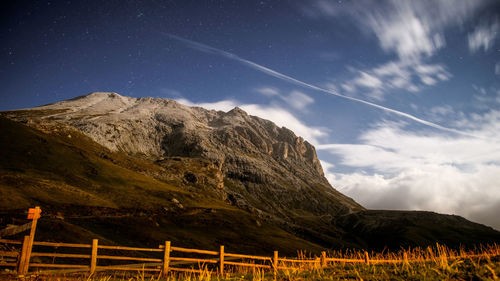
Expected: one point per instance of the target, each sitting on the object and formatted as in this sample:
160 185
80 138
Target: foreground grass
469 269
438 263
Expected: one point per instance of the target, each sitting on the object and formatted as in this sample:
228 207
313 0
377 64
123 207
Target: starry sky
400 98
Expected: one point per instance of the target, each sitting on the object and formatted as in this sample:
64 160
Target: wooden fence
94 258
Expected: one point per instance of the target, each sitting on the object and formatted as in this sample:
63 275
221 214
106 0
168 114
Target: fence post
367 259
221 260
34 214
166 258
275 263
22 258
323 259
93 259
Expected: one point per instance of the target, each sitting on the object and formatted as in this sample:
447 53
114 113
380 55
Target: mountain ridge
168 157
242 146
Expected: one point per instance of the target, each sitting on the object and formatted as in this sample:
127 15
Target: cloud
485 98
276 114
299 100
427 80
497 68
367 80
296 99
443 189
439 112
224 105
327 170
348 87
480 90
388 148
404 32
268 91
432 71
483 36
399 75
425 171
411 30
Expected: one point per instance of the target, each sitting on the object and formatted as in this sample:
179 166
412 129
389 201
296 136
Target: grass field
436 263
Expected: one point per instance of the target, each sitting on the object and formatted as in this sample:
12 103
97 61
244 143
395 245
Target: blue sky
431 67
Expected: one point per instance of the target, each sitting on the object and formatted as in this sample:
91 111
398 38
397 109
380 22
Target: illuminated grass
436 263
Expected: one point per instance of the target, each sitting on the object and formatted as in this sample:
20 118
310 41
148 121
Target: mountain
128 162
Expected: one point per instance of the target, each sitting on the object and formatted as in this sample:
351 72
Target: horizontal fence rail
96 258
129 248
248 257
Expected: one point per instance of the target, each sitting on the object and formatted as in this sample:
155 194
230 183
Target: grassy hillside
84 188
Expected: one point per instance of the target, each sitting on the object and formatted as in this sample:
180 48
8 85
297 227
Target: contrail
211 50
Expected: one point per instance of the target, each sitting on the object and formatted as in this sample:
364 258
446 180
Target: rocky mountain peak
237 111
257 160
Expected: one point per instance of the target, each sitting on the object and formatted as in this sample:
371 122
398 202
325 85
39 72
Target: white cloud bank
424 171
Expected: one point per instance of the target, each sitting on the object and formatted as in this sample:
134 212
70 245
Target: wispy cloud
258 67
441 112
486 98
412 30
405 32
296 99
401 75
268 91
483 36
368 81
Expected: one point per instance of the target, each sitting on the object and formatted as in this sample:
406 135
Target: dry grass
432 263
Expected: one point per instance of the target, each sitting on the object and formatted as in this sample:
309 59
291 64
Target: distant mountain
124 157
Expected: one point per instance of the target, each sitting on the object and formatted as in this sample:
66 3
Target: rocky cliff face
254 164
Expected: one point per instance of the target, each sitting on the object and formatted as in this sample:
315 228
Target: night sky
401 98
